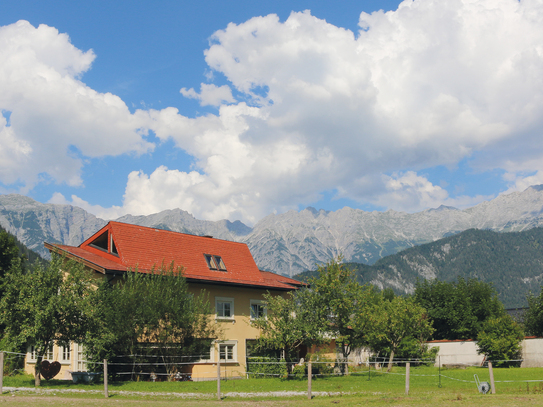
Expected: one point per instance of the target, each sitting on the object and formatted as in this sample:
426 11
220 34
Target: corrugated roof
142 248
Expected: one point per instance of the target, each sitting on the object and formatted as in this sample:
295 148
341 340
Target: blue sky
239 109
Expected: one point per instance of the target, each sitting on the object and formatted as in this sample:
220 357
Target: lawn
514 386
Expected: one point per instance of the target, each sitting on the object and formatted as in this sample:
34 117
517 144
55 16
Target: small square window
224 307
226 352
258 310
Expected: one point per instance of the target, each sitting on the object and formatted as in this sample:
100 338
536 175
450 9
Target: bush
499 340
321 365
300 371
263 366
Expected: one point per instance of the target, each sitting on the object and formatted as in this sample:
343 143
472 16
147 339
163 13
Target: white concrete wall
457 353
532 352
465 352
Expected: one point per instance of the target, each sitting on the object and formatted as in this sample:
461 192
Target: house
225 270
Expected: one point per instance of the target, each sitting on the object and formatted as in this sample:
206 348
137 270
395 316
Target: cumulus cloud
428 84
104 213
317 108
55 119
210 94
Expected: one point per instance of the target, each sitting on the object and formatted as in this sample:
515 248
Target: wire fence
143 367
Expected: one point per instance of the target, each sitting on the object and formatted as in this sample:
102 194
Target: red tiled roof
141 248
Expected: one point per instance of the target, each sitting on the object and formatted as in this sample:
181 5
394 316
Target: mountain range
294 241
511 262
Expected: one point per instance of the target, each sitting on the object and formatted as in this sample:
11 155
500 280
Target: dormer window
105 243
214 262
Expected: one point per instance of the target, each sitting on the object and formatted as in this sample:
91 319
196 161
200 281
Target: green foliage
389 323
459 309
499 340
150 314
533 317
291 322
11 250
510 261
300 371
262 367
321 364
46 306
339 299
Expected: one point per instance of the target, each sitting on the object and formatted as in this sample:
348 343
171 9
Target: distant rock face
291 242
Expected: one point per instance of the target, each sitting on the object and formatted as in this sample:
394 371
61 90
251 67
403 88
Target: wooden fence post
491 372
407 366
219 375
1 372
106 392
309 377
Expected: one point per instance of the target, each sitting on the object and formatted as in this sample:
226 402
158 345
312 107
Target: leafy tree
45 306
339 299
9 253
499 340
533 317
291 322
151 314
458 309
390 323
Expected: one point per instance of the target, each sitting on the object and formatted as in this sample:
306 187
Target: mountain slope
291 242
512 262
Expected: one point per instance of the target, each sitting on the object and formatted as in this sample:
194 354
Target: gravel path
180 395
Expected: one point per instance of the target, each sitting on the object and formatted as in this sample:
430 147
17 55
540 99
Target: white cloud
54 117
432 83
412 192
210 95
429 84
104 213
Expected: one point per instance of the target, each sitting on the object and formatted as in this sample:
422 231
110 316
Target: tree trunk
390 361
37 371
344 366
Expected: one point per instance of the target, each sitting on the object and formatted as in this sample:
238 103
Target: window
80 363
228 351
101 242
224 307
65 353
258 310
214 262
48 355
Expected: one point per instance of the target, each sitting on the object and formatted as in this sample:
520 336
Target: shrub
263 366
499 340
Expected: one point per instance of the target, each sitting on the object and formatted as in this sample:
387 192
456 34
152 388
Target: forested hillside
512 262
30 256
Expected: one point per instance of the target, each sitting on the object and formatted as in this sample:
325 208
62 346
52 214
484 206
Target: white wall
465 352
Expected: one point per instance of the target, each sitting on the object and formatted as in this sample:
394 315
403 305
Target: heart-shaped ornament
49 370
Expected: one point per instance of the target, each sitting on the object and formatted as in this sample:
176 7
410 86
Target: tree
9 253
499 340
339 300
291 322
391 322
533 317
46 306
458 309
151 314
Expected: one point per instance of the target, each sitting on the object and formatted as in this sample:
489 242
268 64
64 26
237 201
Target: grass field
514 387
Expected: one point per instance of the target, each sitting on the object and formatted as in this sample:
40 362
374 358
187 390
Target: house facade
225 270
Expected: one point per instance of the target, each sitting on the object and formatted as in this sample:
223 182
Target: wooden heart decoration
49 370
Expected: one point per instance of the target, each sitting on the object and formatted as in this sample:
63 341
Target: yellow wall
235 330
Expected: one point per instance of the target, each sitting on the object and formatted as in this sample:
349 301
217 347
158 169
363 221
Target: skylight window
214 262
